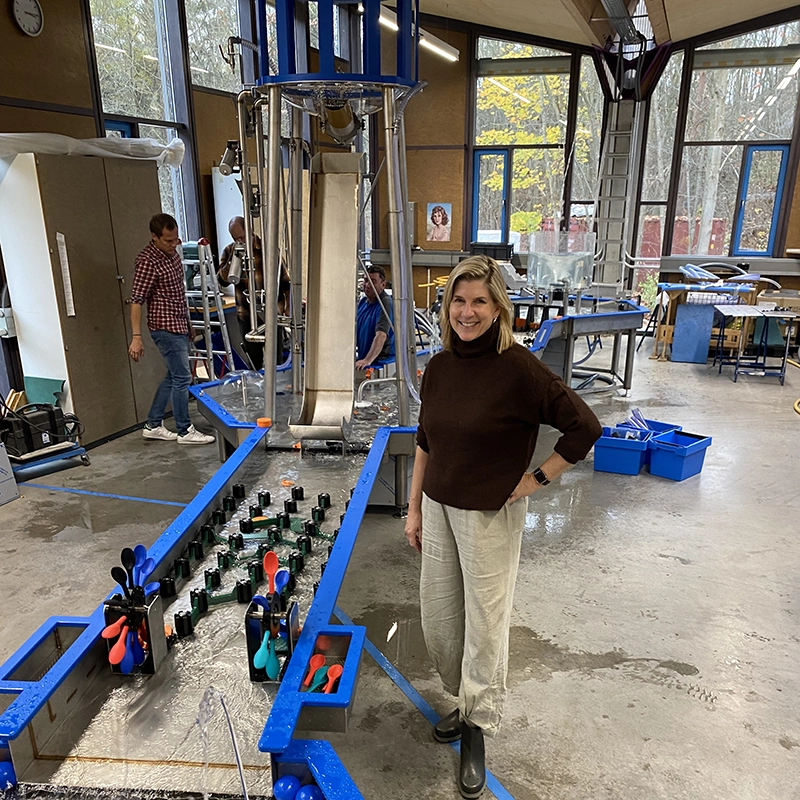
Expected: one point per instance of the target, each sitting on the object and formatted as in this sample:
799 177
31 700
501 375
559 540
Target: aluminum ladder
617 185
207 300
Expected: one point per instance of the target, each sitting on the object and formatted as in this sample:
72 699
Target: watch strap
540 477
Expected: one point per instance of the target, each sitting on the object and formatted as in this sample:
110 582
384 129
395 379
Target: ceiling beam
591 19
658 20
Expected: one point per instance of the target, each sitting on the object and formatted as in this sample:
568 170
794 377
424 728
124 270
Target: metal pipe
270 224
398 240
396 235
261 168
408 272
247 198
296 239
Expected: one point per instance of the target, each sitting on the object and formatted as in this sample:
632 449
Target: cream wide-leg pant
469 568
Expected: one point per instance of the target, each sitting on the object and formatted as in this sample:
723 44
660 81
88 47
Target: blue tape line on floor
104 494
492 784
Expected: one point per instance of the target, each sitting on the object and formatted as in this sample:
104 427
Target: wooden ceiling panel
580 21
688 18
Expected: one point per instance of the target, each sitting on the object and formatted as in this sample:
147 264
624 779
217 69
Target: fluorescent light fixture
109 47
761 116
784 83
795 67
199 69
439 47
770 100
508 89
387 21
427 40
149 58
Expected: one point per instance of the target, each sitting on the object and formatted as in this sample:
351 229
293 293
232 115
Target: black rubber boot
472 773
448 729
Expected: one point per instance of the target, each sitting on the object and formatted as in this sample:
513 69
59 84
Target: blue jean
174 349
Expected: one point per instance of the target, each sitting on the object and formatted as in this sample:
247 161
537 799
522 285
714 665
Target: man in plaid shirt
158 281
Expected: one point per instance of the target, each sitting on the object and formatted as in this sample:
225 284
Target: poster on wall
439 216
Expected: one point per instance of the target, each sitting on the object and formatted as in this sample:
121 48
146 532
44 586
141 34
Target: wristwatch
540 477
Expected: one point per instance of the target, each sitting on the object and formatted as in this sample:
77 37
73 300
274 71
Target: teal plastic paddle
320 676
273 664
260 658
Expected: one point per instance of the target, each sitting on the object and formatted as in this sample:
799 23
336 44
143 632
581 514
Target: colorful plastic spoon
121 577
117 652
314 663
281 580
319 679
271 567
128 559
273 664
260 658
136 649
127 663
334 673
112 630
148 566
140 551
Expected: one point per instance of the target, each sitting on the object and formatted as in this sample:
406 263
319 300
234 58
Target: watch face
29 16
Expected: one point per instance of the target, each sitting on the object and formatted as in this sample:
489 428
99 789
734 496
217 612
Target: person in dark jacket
483 400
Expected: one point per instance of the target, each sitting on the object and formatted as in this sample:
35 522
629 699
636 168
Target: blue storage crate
655 426
621 450
677 455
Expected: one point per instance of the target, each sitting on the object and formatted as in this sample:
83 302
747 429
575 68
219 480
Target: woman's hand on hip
413 529
526 487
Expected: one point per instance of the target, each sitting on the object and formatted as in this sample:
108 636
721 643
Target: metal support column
398 241
296 239
270 225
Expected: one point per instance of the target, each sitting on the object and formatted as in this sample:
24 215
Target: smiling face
472 310
436 216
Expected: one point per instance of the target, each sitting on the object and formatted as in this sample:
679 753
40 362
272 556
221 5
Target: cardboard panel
75 203
26 120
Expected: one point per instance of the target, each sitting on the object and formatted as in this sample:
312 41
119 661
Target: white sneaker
193 436
160 432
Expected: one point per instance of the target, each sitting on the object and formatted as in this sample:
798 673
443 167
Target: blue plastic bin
655 426
677 455
615 453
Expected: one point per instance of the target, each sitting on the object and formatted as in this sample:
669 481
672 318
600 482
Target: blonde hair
485 270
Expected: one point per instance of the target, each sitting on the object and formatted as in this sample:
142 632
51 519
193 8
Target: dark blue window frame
749 153
504 221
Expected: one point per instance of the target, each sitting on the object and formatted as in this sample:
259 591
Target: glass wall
209 23
522 107
743 90
133 58
134 65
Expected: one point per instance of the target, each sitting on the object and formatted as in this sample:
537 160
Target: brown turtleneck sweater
480 418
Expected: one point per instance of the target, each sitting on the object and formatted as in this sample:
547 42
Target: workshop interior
241 620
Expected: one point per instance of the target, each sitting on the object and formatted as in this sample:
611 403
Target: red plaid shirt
158 281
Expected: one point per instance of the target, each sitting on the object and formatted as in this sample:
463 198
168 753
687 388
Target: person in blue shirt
374 332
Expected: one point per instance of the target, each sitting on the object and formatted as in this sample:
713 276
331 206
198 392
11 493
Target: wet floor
654 642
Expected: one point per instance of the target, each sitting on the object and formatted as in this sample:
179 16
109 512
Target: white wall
26 254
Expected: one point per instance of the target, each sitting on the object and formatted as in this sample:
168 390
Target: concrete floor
654 644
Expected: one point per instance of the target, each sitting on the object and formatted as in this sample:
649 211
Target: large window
522 104
133 58
135 68
209 24
743 90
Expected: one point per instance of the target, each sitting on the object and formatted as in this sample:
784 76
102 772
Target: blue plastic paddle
140 551
127 663
148 566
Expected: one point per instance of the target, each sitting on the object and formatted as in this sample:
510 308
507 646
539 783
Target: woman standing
483 399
